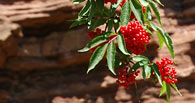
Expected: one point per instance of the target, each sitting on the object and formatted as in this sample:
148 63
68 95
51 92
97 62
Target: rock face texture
41 26
39 62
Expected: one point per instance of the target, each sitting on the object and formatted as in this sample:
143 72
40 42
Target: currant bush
124 38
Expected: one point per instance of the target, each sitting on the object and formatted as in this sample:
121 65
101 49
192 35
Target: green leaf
94 42
163 88
136 7
147 14
144 73
139 58
156 71
100 5
154 7
125 14
167 41
92 10
147 70
148 30
153 25
97 23
160 34
136 66
168 92
121 44
78 21
96 57
77 1
158 1
161 39
117 4
174 86
109 24
85 9
169 44
144 2
145 62
111 53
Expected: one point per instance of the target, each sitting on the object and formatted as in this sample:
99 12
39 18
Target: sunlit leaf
139 58
154 7
94 42
158 1
125 14
121 45
175 87
96 57
136 7
92 10
168 92
157 73
147 70
85 9
79 21
144 2
111 53
163 88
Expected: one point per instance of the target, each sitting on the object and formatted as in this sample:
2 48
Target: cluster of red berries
168 74
135 37
125 79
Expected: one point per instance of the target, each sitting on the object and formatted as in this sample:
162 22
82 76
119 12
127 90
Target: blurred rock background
40 64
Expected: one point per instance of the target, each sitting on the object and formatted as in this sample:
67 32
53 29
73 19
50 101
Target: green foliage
166 39
144 3
96 23
139 58
168 89
147 14
125 14
111 53
146 71
85 9
94 42
100 5
163 88
157 73
97 57
158 1
136 7
121 45
144 63
175 87
92 10
154 7
94 14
